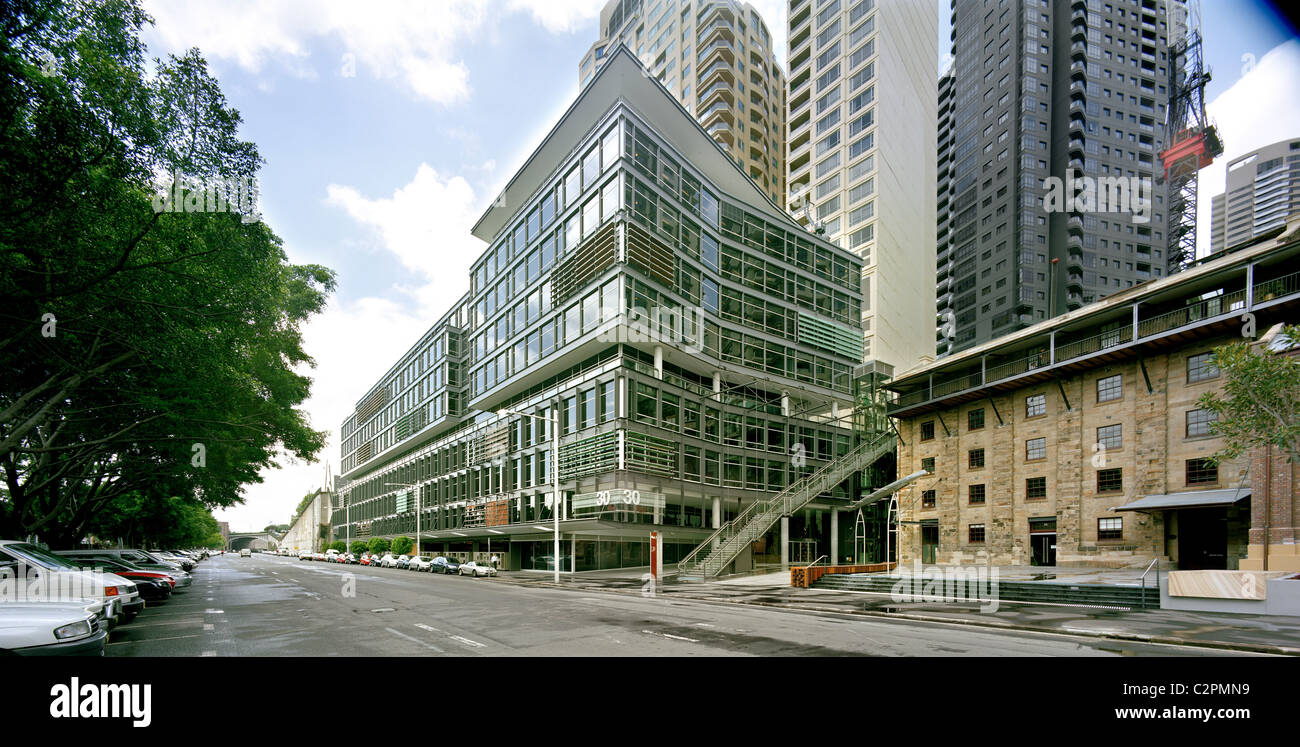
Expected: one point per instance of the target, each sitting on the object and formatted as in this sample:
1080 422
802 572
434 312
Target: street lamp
554 422
418 506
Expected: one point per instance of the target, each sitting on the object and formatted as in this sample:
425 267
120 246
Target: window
927 499
1110 436
975 533
1035 448
1110 529
1035 405
977 495
975 458
1110 480
1202 472
1035 488
927 430
1198 422
975 420
1200 368
1110 388
927 464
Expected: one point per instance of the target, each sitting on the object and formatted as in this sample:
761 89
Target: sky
388 127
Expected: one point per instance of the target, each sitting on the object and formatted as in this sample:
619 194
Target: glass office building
696 344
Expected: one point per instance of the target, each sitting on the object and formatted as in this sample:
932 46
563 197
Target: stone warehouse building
1079 441
674 423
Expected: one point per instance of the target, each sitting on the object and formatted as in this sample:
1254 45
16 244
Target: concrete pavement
273 606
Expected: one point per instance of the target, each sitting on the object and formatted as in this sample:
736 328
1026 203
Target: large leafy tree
1259 404
146 354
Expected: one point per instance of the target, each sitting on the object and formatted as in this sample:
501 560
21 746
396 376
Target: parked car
347 558
388 561
476 569
419 563
154 586
120 597
185 563
305 555
401 561
444 565
331 555
364 559
246 553
51 629
134 558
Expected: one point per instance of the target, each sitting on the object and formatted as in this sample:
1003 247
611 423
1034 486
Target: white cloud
559 16
412 41
426 224
1257 110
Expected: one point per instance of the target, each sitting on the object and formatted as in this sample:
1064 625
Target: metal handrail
815 562
1155 562
805 488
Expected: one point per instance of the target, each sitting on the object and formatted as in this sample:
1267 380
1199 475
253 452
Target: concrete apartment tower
717 59
1050 98
1262 190
861 155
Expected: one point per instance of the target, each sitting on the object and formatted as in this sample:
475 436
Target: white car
331 555
119 596
305 555
246 553
419 563
388 561
52 629
476 569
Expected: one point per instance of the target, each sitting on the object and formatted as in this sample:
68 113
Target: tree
339 546
1259 402
359 547
377 545
144 353
403 545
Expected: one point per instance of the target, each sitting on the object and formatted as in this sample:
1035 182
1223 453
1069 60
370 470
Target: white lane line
414 640
208 653
670 635
467 642
429 628
151 640
210 611
296 581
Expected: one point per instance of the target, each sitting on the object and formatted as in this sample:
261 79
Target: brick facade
1152 456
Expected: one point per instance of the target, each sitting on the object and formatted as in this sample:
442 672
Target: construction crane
1191 140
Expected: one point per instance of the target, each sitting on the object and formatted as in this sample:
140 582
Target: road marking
670 635
705 625
296 581
414 640
209 626
429 628
208 653
467 642
151 640
380 609
210 611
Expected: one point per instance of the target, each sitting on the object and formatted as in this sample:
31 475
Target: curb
1257 648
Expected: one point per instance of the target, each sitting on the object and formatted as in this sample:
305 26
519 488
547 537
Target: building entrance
930 543
1042 541
1203 539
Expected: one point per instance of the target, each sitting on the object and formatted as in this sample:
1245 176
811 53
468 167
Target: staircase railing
729 540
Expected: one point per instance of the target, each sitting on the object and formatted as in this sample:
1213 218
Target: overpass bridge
252 540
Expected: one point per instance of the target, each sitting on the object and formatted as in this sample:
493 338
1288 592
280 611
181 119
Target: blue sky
387 127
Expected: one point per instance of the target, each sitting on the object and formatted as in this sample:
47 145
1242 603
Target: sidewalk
1271 634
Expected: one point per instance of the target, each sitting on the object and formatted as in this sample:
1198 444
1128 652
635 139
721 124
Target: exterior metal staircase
730 540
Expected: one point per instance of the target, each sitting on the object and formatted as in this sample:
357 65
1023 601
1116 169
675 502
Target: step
1060 593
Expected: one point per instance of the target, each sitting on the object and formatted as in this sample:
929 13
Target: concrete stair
1088 595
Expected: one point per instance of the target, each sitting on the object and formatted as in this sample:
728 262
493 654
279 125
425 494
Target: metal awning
1190 499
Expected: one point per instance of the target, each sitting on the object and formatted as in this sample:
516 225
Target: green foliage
359 547
174 364
339 545
403 545
1259 404
148 520
377 545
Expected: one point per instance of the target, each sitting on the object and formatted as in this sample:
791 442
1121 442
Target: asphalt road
276 606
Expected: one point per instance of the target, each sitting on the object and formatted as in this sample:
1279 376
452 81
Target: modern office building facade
861 155
689 337
1050 160
717 58
1081 440
1262 191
